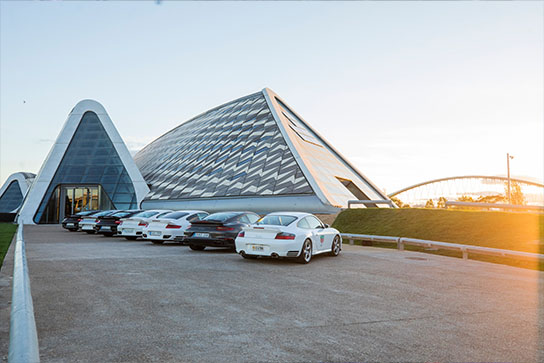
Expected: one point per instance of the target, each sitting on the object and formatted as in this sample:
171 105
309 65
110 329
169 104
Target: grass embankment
511 231
7 230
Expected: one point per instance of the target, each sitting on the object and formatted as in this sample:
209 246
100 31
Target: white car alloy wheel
306 253
335 250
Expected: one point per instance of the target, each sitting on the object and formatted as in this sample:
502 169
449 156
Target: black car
107 225
71 222
217 230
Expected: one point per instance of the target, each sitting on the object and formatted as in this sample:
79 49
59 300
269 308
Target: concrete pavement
101 299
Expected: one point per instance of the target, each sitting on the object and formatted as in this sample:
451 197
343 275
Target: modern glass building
88 168
254 153
14 190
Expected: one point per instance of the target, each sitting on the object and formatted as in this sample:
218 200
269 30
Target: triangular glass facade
11 199
336 178
233 150
91 159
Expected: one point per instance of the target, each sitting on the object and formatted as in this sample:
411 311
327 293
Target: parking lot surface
99 299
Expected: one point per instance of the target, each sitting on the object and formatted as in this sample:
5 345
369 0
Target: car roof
157 210
188 211
233 212
133 211
294 214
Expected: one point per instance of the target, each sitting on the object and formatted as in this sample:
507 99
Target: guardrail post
23 337
465 249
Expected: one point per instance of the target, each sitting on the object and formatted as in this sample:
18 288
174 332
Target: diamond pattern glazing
233 150
11 199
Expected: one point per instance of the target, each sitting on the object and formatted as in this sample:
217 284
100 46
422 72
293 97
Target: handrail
365 202
494 205
465 249
23 337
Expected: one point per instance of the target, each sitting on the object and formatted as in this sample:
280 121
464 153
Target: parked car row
171 226
281 234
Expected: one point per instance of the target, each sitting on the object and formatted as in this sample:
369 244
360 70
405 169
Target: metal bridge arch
486 177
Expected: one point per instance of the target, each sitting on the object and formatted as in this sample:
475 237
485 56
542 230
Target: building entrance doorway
75 199
67 199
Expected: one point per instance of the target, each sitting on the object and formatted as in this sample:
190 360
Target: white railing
464 249
495 206
23 337
371 202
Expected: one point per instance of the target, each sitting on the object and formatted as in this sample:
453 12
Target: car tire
157 242
73 230
335 248
249 257
131 238
305 252
197 247
89 232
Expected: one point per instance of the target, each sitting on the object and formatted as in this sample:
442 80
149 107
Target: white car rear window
146 214
175 215
277 220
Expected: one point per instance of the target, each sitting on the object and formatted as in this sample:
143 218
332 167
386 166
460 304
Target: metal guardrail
23 337
365 202
495 205
464 249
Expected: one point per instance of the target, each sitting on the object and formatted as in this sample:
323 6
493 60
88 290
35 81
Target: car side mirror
326 225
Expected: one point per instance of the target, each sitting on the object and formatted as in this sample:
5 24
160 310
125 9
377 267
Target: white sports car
288 234
87 223
132 228
171 225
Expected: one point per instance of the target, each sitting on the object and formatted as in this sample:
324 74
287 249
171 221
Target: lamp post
508 157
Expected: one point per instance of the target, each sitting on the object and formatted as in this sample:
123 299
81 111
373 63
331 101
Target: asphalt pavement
100 299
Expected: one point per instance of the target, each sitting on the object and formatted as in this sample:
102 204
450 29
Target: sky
407 91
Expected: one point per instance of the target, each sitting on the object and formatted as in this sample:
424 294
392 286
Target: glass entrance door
75 199
70 199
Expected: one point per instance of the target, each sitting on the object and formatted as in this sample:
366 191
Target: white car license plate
257 248
128 230
69 224
86 226
106 228
154 233
201 235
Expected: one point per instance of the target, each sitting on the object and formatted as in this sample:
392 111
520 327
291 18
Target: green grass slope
514 231
7 230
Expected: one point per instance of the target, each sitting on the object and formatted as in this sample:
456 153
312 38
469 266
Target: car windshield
277 220
175 215
220 217
146 214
